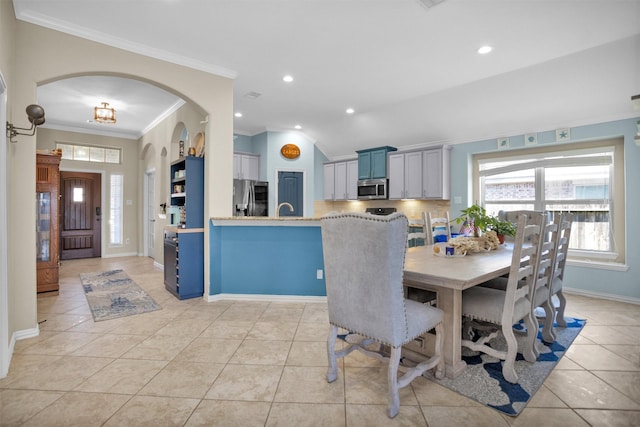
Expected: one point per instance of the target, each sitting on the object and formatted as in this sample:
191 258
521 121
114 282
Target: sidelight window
115 211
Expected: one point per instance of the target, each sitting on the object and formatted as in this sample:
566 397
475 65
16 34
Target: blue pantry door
290 190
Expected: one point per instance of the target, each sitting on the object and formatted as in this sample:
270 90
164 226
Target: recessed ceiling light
298 127
287 78
238 114
350 111
484 50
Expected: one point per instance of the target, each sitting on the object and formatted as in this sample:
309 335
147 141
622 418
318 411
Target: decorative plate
200 144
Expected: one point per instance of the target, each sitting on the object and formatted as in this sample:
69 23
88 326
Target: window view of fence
579 182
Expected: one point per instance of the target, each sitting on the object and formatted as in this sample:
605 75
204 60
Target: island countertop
287 221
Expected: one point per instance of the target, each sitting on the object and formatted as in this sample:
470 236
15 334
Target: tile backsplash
412 208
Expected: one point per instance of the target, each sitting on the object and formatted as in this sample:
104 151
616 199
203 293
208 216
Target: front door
80 215
290 190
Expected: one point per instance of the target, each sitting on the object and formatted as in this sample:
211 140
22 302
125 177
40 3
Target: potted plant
502 228
476 217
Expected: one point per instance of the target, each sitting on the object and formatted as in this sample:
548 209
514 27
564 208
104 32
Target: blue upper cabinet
372 163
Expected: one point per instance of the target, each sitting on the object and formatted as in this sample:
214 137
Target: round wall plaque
290 151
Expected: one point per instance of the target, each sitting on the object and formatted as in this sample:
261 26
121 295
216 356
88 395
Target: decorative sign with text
290 151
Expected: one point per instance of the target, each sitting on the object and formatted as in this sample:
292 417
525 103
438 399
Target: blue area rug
112 294
482 379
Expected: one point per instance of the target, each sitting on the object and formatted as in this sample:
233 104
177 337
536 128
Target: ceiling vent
252 95
429 3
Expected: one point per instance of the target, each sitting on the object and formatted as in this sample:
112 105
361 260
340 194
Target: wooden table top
424 266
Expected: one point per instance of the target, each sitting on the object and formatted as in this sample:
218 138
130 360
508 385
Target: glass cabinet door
43 226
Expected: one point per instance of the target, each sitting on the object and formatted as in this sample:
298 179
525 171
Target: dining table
448 277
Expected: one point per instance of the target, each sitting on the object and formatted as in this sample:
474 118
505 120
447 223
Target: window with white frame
586 179
115 210
89 153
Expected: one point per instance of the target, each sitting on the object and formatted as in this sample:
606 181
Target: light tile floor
260 363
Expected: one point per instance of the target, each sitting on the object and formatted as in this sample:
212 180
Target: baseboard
24 334
267 298
600 295
157 265
16 336
118 255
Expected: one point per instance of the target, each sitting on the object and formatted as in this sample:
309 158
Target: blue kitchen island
265 257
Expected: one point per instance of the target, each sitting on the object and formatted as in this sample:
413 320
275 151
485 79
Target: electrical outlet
319 274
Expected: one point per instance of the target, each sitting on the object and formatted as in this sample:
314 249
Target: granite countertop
177 229
265 220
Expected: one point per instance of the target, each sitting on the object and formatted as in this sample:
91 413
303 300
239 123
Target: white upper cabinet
420 174
436 174
352 180
246 166
328 176
340 180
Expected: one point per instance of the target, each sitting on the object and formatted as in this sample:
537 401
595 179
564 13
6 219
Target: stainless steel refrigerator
250 198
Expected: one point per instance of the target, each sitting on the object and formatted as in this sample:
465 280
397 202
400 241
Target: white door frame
146 214
5 350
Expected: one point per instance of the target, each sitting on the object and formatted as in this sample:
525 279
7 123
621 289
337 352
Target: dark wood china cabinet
47 221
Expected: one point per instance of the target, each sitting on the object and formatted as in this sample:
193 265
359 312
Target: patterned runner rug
112 294
482 379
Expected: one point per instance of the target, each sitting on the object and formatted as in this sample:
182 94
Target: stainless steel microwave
369 189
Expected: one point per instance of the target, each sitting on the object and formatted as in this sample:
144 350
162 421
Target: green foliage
506 228
482 222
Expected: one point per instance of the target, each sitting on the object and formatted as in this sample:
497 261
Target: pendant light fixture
104 114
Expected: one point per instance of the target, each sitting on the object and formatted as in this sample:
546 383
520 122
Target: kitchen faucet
281 205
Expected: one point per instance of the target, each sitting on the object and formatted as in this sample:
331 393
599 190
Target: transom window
586 179
88 153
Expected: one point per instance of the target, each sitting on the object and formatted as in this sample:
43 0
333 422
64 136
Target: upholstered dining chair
436 226
495 310
364 262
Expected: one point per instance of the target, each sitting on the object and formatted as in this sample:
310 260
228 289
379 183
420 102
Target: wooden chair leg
438 351
508 367
394 398
530 352
332 371
548 333
560 316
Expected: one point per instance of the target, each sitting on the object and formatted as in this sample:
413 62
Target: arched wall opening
54 55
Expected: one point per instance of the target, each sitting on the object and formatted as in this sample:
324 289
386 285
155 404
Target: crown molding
58 126
175 107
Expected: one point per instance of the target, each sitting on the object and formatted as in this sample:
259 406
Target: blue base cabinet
188 267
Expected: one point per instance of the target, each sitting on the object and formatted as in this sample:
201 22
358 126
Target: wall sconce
35 113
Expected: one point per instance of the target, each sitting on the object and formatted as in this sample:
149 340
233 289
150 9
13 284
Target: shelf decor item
531 139
563 134
503 143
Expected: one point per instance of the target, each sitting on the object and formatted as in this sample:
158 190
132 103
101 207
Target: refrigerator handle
251 207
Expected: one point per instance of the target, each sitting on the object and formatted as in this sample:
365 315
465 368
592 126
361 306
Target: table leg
450 302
